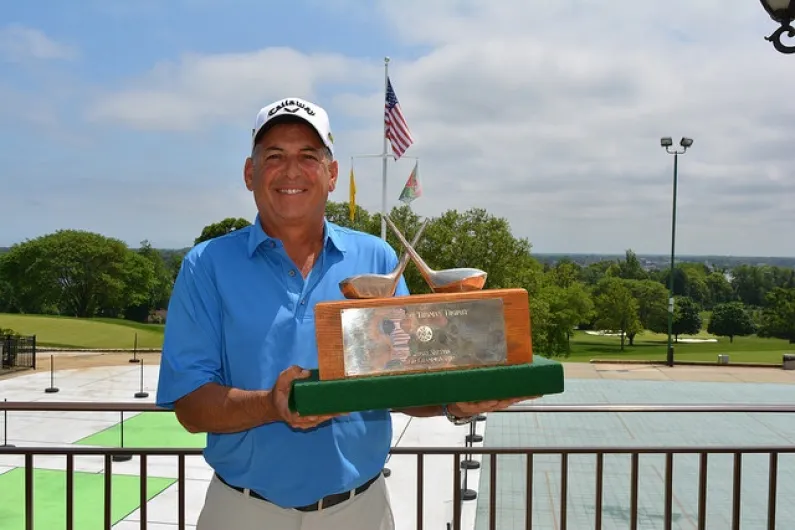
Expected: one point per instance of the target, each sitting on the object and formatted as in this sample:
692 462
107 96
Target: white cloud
201 91
547 113
20 44
550 114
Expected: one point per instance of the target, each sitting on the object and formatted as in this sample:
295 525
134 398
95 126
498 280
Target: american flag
397 130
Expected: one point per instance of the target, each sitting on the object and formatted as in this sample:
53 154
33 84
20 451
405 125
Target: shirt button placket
298 290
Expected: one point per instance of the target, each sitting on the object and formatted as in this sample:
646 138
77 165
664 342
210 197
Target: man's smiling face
290 174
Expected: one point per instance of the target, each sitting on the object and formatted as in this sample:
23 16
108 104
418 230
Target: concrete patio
586 383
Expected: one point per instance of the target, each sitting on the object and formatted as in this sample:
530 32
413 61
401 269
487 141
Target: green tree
719 288
473 238
690 280
616 308
339 213
729 320
687 317
568 308
778 317
476 239
593 273
160 285
753 283
543 339
528 274
173 260
680 280
630 268
138 281
74 272
652 299
8 303
230 224
566 273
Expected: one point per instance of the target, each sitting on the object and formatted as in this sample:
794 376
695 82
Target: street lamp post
685 143
782 12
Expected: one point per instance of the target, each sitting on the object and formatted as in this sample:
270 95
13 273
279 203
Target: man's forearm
219 409
422 412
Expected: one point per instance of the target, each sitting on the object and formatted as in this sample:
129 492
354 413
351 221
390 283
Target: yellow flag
352 200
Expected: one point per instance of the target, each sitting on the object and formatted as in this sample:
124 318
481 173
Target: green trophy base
313 397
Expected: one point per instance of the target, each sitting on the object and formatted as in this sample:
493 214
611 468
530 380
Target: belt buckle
321 505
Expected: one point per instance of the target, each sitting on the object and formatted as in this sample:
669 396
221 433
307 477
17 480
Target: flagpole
384 154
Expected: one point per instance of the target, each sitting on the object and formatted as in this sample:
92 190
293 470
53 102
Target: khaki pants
228 509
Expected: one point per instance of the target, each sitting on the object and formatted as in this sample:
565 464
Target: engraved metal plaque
425 336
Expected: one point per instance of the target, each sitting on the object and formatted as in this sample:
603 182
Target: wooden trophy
460 326
462 342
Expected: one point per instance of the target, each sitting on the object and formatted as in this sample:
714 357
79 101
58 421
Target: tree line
84 274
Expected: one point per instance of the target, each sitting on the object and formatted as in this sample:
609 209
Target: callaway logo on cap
313 114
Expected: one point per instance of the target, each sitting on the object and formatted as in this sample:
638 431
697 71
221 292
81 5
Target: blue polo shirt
240 313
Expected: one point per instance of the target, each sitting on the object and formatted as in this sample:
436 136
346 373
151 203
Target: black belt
326 502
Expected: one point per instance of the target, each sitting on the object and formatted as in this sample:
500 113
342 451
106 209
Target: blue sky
132 118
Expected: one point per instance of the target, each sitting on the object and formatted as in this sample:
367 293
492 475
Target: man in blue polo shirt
241 329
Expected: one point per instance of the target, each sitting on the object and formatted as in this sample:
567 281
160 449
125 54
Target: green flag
412 190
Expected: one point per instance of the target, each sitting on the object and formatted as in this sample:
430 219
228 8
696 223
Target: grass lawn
652 346
84 332
116 333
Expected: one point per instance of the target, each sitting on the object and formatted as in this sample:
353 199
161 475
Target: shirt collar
258 237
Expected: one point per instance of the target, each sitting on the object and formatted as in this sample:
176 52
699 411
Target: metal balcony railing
773 453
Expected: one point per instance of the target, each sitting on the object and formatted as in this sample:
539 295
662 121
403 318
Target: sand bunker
607 333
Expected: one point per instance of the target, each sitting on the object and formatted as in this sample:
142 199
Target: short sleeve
191 355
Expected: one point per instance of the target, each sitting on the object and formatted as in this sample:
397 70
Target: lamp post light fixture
783 12
667 143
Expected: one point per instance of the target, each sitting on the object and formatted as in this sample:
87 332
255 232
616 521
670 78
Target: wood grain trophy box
424 349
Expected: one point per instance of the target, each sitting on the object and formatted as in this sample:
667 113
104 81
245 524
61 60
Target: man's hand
278 400
465 410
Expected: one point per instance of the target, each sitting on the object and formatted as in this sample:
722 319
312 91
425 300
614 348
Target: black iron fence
17 352
767 519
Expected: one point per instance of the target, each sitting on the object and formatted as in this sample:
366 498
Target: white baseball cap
313 114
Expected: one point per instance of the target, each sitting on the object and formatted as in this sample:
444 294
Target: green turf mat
49 498
312 396
147 429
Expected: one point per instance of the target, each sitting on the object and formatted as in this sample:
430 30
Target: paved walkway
644 384
120 383
585 383
704 373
